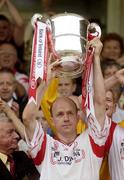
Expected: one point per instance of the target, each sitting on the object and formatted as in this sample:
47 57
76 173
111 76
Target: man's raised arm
112 81
31 110
98 83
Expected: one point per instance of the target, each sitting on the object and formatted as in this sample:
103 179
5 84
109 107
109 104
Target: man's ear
82 115
14 85
53 127
78 117
114 107
52 121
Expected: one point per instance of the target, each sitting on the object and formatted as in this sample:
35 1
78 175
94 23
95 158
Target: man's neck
66 139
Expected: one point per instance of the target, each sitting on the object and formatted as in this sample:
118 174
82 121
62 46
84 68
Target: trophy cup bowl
69 32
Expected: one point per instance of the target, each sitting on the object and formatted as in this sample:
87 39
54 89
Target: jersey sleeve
99 135
37 146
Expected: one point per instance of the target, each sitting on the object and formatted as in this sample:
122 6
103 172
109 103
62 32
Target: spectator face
4 31
8 137
8 56
108 72
110 104
111 49
76 100
64 116
7 86
40 117
66 87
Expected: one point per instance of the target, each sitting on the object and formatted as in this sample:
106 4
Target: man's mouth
66 125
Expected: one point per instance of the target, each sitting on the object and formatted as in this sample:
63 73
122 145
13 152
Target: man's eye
70 113
109 100
59 85
60 114
37 118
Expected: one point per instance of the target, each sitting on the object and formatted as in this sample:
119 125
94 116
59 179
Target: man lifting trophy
68 44
60 43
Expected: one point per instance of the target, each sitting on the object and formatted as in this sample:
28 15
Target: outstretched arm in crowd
118 77
13 117
18 31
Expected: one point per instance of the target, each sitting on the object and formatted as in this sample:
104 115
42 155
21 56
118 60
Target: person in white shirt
115 142
8 89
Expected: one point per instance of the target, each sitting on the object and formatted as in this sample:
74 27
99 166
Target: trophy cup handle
94 30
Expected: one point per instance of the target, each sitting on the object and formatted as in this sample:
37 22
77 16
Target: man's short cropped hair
66 99
4 18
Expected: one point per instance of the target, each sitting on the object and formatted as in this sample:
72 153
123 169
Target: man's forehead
7 47
62 100
7 50
9 78
109 95
6 125
4 22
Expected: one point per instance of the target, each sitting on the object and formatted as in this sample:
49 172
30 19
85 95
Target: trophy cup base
69 66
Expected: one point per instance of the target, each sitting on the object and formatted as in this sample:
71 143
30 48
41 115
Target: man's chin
6 98
14 148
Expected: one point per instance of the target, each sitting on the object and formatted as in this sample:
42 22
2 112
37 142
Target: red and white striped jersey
80 160
115 146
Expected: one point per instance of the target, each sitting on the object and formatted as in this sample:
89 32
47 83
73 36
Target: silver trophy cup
70 37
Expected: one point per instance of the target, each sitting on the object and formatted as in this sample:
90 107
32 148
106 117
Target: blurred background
109 13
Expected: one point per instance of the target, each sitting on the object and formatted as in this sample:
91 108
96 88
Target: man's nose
66 117
5 86
15 135
63 86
